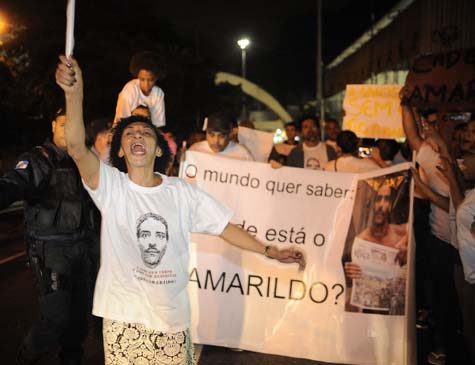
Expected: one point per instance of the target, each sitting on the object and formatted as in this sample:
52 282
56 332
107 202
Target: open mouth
152 251
138 149
215 148
379 214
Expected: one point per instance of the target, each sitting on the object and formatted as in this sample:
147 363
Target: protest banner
444 80
244 300
373 111
259 143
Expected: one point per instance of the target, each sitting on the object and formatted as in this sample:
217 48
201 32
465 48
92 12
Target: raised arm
443 202
69 78
448 168
377 158
409 122
239 238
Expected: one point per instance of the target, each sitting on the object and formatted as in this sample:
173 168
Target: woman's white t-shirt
134 283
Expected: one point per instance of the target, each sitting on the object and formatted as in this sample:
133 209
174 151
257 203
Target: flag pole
70 10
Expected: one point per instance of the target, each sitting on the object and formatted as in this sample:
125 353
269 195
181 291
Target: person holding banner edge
311 153
441 253
157 305
219 138
462 206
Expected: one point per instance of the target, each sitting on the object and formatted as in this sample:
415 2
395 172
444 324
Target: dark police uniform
60 246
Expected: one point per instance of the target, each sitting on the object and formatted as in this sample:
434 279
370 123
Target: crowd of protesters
444 211
444 205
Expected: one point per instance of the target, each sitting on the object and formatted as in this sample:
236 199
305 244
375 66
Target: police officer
58 214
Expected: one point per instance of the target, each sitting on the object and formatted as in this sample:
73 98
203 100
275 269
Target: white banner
244 300
258 142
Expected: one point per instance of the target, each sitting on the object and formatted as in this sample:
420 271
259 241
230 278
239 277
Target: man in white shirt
311 153
138 295
219 139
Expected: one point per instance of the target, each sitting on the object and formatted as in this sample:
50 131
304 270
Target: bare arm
69 78
437 143
441 201
447 168
409 122
239 238
410 128
377 159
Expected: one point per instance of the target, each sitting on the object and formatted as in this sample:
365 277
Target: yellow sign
373 111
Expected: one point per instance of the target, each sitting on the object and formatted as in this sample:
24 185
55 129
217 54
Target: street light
243 43
6 29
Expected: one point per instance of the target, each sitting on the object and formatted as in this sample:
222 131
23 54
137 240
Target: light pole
243 43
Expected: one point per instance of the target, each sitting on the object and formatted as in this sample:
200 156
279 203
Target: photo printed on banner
375 254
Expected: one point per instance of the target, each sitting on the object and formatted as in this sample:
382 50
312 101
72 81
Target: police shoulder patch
21 165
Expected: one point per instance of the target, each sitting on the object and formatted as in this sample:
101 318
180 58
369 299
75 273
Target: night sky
281 57
283 33
199 38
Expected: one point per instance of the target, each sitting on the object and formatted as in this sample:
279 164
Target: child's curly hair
149 61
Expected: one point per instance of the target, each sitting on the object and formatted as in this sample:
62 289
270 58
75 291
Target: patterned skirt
133 344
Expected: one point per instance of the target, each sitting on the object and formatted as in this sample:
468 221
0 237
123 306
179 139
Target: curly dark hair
347 141
149 61
221 122
161 163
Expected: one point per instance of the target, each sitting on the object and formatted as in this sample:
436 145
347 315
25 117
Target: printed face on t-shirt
312 163
152 234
